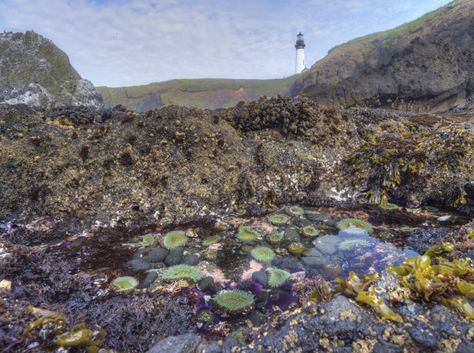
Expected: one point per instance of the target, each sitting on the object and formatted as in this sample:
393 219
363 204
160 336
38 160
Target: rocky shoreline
78 186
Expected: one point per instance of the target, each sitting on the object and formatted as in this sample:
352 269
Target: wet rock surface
109 185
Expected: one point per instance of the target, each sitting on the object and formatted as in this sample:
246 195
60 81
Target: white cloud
140 41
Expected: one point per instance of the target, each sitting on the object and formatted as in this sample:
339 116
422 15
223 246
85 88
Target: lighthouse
299 67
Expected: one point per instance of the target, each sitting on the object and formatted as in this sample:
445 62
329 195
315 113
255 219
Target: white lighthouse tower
299 67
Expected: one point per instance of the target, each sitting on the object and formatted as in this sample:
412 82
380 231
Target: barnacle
351 244
262 254
247 233
125 283
309 231
174 239
277 277
278 219
234 301
179 272
348 223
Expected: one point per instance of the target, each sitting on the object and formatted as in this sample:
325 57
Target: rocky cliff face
427 64
36 72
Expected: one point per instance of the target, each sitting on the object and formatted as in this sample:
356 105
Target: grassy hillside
425 64
199 93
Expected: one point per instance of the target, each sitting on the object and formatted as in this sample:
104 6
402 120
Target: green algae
363 291
438 279
353 285
439 249
371 299
80 336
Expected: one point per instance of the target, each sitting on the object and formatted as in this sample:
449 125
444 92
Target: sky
130 42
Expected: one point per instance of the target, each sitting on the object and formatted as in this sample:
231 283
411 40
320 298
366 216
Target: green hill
198 93
423 65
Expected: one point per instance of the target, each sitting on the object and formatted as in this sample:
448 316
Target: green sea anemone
174 239
351 244
309 231
275 238
210 240
234 301
148 240
247 233
277 277
125 283
278 219
178 272
296 249
348 223
262 254
295 211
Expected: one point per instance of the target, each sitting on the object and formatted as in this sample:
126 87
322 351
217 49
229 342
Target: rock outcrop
179 162
35 72
427 64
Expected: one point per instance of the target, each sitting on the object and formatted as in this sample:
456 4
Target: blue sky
127 42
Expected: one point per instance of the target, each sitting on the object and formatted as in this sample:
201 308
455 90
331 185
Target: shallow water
226 262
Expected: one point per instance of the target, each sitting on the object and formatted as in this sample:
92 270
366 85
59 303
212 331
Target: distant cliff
36 72
197 93
426 64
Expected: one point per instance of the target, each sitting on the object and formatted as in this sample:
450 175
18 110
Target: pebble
139 265
261 277
191 260
174 257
